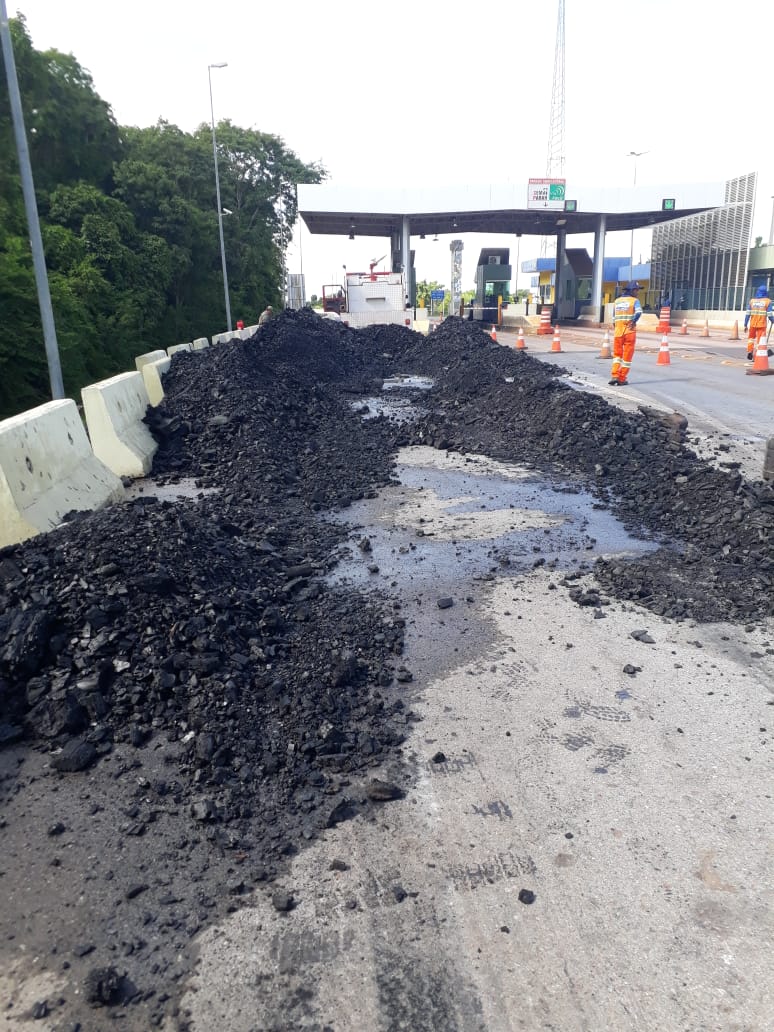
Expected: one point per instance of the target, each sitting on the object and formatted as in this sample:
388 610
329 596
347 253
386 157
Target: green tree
166 179
133 269
130 228
23 371
258 178
424 289
71 131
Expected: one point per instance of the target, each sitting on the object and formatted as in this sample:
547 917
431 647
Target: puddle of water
454 516
394 406
404 380
183 488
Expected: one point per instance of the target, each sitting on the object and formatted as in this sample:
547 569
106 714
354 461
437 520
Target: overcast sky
412 93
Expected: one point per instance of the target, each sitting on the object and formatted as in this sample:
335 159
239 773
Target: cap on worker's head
634 286
269 308
762 291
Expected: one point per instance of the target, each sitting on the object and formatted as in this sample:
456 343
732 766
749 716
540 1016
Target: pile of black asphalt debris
193 658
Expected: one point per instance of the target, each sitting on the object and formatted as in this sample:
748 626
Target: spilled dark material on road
184 698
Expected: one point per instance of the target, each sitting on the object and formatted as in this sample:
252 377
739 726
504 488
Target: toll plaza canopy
399 214
342 211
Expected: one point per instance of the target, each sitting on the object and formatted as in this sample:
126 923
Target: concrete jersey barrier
149 356
152 373
47 469
114 411
223 338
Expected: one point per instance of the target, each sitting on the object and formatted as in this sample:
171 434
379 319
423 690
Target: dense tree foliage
130 228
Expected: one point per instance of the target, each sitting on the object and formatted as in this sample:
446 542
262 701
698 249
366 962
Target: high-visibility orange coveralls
626 311
759 311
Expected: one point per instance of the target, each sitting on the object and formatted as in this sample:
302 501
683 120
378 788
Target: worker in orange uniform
758 311
626 312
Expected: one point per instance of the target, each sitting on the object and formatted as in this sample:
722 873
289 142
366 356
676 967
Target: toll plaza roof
363 211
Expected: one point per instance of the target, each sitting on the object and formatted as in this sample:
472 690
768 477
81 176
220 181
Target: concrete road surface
585 844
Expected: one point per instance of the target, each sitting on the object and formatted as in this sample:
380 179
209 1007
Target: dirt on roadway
446 712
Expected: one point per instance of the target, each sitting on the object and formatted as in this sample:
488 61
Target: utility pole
220 64
635 155
31 207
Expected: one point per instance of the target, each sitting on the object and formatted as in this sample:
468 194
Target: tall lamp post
31 207
222 64
635 155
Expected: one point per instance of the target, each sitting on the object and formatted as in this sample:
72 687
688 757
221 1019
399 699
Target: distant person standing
526 305
758 312
266 316
626 311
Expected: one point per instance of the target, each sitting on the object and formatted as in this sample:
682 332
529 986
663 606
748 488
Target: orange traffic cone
556 344
663 353
604 351
760 366
684 327
705 331
520 344
493 334
735 333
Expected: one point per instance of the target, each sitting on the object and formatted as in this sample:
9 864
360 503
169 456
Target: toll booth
493 280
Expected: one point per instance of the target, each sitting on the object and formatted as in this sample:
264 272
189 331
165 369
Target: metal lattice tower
555 157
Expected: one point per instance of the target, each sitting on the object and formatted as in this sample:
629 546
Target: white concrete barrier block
200 344
177 347
47 469
223 338
114 412
149 356
152 374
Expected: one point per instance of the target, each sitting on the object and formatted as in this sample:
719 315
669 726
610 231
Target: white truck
369 299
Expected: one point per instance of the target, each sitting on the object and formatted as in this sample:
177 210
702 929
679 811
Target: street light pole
31 207
635 155
222 64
